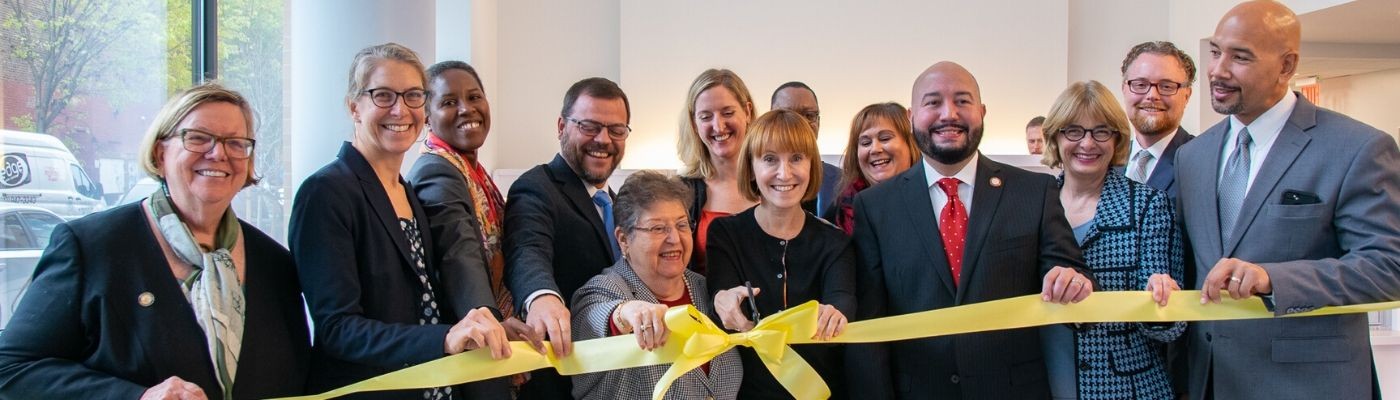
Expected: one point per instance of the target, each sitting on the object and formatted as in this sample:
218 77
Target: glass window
15 237
252 36
41 227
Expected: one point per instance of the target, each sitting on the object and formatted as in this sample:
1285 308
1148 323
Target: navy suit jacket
1017 232
357 276
81 332
554 236
1164 174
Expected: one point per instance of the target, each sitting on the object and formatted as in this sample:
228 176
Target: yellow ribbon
694 339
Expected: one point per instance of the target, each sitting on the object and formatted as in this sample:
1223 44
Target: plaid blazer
593 305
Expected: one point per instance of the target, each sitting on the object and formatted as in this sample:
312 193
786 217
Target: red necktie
953 226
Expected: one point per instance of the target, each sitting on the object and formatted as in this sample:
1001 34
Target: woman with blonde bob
172 296
713 124
1126 232
881 146
785 254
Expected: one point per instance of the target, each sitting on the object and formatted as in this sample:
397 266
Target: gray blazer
1323 219
593 305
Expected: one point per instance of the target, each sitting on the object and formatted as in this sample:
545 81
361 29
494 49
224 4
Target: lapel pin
146 299
995 181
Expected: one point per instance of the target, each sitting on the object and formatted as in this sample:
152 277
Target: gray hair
643 190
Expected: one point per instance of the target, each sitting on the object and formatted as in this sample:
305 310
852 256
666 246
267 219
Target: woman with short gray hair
632 296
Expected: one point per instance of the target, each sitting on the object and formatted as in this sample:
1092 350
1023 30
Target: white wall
1370 98
1102 31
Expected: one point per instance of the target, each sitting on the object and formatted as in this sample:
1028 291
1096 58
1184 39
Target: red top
702 233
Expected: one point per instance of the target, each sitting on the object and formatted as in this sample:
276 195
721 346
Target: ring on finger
1235 279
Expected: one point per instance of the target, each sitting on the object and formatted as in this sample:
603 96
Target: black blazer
1016 233
554 236
81 332
460 256
355 269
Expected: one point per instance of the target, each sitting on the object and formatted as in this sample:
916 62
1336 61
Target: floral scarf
489 207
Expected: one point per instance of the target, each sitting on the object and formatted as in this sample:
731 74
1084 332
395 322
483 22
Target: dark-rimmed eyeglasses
593 128
1164 87
682 227
385 98
1075 133
197 141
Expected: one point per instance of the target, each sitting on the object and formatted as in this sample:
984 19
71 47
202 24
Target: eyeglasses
812 115
1164 87
385 98
197 141
682 228
1075 134
593 128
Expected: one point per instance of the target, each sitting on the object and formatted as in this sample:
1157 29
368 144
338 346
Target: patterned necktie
1139 171
953 226
605 203
1233 185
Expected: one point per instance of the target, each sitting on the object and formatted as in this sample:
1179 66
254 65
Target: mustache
1222 85
599 147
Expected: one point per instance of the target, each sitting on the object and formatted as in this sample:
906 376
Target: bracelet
620 323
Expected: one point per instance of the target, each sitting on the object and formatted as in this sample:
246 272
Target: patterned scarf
212 289
489 207
845 203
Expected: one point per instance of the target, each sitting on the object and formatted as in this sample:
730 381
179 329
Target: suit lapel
572 187
914 191
1166 166
985 201
1107 217
1290 143
1209 207
378 199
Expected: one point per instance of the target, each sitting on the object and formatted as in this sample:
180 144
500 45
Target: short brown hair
180 106
1162 48
779 130
1085 99
692 151
891 111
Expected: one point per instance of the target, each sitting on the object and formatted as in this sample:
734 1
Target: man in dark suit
559 219
1157 79
959 229
798 97
1291 202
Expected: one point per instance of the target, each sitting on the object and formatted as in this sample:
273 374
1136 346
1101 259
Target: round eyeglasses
1075 134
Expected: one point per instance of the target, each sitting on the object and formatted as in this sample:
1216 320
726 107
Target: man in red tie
960 229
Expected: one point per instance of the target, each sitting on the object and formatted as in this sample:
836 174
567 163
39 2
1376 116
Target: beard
948 154
1227 108
1154 126
574 154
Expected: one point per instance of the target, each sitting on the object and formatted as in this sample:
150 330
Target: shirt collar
1156 149
967 175
1266 128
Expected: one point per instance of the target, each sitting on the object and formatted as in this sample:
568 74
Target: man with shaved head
1290 202
959 229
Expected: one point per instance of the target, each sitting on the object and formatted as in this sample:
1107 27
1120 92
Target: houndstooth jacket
593 305
1132 236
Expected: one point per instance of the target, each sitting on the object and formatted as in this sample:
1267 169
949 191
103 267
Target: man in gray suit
1291 202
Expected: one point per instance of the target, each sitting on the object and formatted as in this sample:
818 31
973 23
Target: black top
105 318
817 264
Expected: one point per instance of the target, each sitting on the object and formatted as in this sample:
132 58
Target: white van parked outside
40 171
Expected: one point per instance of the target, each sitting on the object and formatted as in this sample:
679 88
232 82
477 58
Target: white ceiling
1371 22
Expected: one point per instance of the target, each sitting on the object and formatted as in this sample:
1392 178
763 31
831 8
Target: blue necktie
605 203
1233 185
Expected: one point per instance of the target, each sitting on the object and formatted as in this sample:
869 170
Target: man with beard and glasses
1293 203
1157 79
959 229
559 220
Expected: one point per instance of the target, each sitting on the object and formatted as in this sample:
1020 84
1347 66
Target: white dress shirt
1263 131
967 175
1155 150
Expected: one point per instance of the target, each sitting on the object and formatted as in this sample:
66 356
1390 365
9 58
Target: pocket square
1298 197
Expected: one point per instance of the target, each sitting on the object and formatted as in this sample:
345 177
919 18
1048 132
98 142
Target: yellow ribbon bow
702 341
